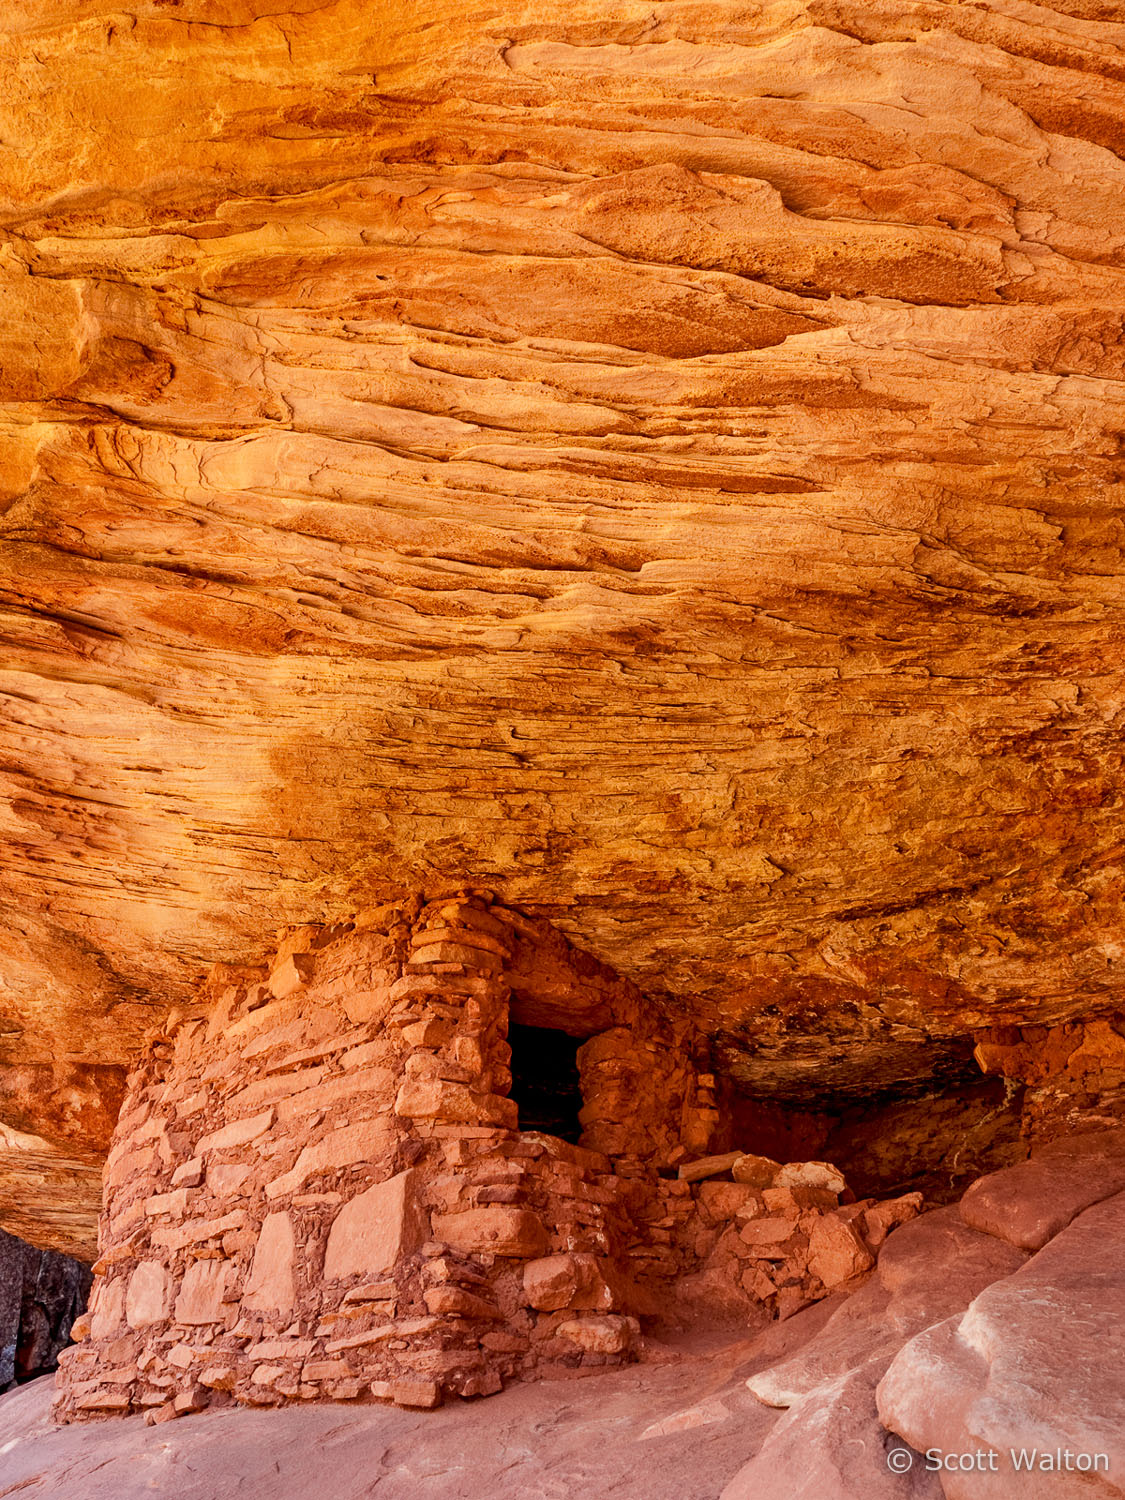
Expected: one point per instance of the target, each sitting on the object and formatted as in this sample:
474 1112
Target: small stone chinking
318 1188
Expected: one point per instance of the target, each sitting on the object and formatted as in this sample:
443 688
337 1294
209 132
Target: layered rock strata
320 1189
665 461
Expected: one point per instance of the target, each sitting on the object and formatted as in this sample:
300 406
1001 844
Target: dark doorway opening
545 1082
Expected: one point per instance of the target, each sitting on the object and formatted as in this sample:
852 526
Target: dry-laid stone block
425 1394
107 1308
498 1228
377 1229
237 1133
194 1231
149 1295
365 1141
455 1302
202 1292
572 1280
600 1335
272 1283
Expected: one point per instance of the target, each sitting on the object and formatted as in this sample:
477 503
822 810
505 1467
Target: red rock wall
320 1189
1074 1073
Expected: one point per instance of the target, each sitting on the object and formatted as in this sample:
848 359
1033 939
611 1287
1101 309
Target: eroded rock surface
597 1436
1027 1364
1027 1204
1033 1368
663 464
831 1443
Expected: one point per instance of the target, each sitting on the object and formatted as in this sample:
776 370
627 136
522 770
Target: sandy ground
677 1428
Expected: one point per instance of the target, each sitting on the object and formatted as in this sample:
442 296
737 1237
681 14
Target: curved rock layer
662 463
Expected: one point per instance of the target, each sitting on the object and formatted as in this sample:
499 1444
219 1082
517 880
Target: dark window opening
545 1083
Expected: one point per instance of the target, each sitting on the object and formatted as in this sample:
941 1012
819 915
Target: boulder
1029 1203
755 1171
810 1174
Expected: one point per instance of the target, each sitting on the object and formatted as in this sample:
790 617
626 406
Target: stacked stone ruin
318 1188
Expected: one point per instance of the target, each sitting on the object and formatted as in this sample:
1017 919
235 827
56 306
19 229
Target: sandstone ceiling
662 462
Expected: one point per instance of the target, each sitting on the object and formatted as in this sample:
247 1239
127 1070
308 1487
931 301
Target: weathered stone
366 1140
755 1171
767 1231
237 1133
833 1447
442 1099
224 1179
173 1204
455 1302
366 1006
107 1308
879 1219
189 1174
148 1296
600 1335
421 1393
497 1228
202 1291
708 1166
377 1229
290 975
572 1280
928 1269
837 1252
810 1174
272 1283
193 1231
723 1200
1029 1203
1033 1365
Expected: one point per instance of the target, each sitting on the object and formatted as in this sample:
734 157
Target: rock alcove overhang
655 466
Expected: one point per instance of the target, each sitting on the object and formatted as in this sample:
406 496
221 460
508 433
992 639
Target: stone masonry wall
318 1188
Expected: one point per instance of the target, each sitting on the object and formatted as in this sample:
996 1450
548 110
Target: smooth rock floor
592 1437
